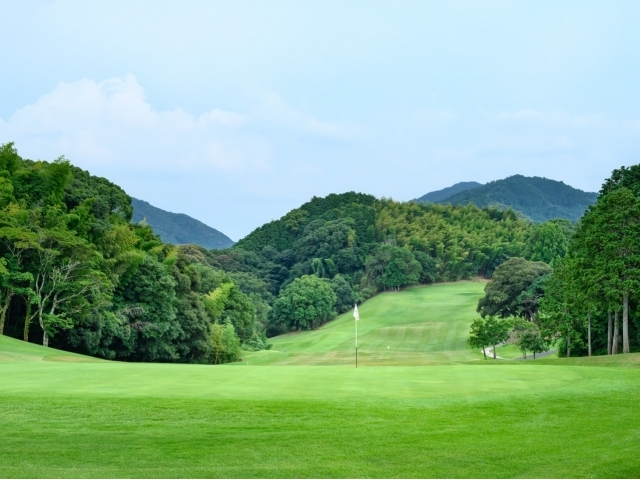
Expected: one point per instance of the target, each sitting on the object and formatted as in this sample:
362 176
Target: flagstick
356 315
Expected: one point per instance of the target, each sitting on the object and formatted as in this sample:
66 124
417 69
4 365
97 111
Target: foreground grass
487 420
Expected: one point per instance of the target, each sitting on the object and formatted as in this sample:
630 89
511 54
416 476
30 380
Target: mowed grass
416 326
548 418
14 350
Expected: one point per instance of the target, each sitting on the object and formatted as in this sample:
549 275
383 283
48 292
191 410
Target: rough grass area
64 415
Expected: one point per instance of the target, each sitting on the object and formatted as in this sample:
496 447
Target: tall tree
609 242
66 280
16 242
562 309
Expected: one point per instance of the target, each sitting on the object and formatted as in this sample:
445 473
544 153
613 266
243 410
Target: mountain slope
178 228
538 198
440 195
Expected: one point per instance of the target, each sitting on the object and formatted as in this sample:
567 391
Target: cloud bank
238 169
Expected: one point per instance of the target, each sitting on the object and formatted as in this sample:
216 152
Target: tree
345 298
155 327
497 331
393 267
503 291
529 299
562 308
608 242
225 343
240 312
479 337
548 242
428 263
488 331
17 242
307 302
65 280
528 338
627 177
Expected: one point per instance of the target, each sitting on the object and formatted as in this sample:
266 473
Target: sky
236 112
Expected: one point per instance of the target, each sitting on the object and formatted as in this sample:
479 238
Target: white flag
356 315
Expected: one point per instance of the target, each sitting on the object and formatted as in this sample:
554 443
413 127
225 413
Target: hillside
445 193
358 236
539 199
178 228
416 326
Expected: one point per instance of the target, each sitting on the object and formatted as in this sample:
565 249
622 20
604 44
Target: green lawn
548 418
416 326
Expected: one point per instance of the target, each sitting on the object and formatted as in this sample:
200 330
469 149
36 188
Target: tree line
76 274
587 304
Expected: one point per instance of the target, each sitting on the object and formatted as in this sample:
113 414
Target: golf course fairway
307 412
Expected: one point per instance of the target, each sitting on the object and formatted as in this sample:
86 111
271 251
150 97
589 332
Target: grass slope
475 419
416 326
178 228
17 350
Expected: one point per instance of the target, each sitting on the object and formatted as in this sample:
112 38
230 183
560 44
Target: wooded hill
361 245
440 195
76 273
178 228
539 199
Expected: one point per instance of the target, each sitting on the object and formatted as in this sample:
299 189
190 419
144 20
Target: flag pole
356 315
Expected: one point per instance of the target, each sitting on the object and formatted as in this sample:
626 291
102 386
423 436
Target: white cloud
110 122
110 129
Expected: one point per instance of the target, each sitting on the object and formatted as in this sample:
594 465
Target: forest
76 273
585 301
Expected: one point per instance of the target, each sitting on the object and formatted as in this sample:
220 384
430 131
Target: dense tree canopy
306 303
596 285
503 292
76 274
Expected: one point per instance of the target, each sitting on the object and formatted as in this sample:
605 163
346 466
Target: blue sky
236 112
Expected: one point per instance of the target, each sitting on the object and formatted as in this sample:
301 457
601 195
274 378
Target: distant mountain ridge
445 193
538 198
178 228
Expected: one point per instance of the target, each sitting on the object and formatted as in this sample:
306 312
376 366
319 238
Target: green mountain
538 198
178 228
445 193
